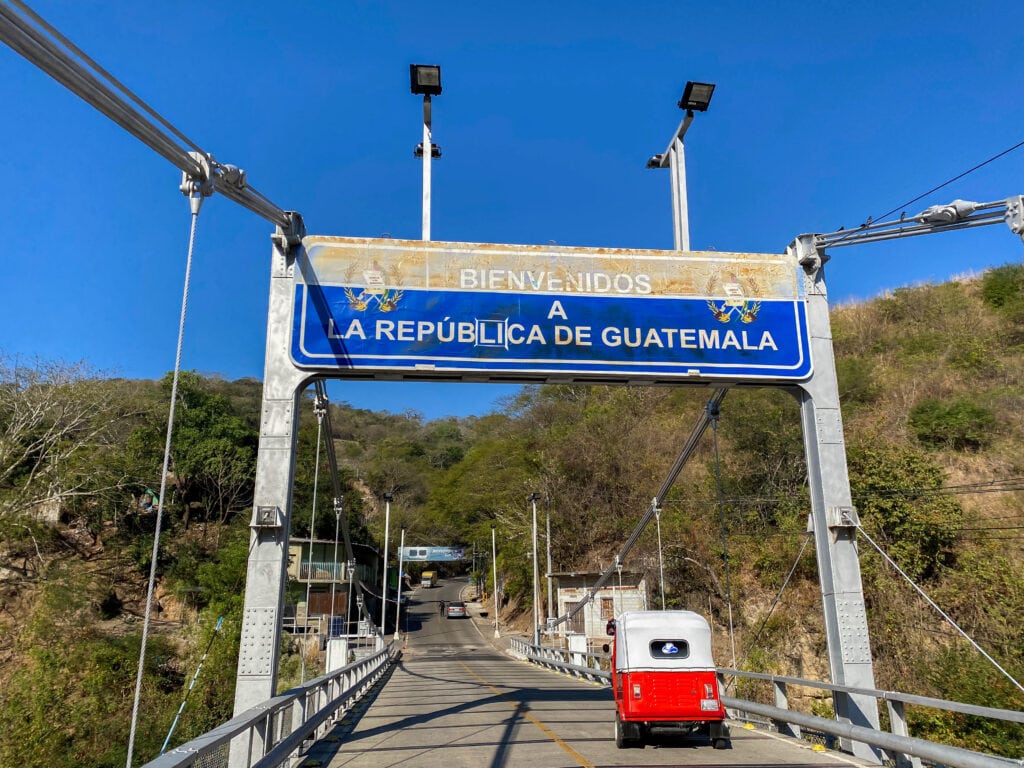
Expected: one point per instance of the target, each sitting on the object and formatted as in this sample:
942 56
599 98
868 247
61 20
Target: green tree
898 493
213 449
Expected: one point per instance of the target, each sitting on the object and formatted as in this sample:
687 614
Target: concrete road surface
456 699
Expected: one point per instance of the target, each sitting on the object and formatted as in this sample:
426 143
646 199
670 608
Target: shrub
856 380
898 494
1003 287
961 424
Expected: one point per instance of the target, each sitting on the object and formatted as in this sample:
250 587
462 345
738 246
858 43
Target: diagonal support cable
689 447
934 605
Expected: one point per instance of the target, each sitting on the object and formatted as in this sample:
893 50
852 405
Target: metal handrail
903 746
1010 715
282 724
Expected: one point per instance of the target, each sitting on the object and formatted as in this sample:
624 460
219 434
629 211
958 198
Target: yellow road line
543 728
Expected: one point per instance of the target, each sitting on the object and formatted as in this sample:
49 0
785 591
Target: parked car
455 610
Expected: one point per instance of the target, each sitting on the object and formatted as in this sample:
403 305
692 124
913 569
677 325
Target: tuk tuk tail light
709 703
636 690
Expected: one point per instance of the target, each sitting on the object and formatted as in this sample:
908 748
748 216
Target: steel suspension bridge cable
195 203
25 32
934 605
689 447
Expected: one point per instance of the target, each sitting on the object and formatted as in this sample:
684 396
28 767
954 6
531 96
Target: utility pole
551 599
494 565
536 578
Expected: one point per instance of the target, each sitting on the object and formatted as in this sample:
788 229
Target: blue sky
825 114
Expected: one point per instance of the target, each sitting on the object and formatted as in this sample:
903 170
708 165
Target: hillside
933 408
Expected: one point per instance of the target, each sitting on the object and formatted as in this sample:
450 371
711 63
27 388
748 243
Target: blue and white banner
540 313
432 554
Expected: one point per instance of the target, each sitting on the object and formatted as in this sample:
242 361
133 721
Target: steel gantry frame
833 518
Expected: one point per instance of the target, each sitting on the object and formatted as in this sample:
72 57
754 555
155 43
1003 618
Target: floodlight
425 79
435 150
696 96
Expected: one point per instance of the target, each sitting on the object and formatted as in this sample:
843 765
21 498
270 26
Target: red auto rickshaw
663 677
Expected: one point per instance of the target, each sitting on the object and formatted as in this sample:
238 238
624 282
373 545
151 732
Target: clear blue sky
825 113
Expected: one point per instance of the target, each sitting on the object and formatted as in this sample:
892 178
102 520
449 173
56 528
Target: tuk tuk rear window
670 649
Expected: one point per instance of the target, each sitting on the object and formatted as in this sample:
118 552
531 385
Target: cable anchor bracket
1015 215
288 239
810 252
199 185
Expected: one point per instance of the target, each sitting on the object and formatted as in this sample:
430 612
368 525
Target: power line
995 157
902 207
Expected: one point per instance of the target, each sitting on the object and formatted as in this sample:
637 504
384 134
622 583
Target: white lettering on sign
553 282
501 333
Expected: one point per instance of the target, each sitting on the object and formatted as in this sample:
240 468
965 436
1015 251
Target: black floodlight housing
696 96
435 150
426 79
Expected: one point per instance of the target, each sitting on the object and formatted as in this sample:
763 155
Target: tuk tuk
663 677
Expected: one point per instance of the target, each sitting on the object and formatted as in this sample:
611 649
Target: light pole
425 79
334 565
401 564
384 581
696 97
661 562
532 498
350 574
494 566
618 567
551 599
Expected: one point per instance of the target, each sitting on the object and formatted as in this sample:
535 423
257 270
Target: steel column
272 503
832 513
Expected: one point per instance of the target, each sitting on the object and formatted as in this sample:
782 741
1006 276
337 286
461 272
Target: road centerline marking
533 719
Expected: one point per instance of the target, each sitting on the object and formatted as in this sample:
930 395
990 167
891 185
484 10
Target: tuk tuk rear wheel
628 735
620 736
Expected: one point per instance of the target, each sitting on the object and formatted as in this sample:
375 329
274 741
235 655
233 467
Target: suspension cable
29 35
713 414
677 466
319 406
192 685
776 602
195 203
934 605
332 462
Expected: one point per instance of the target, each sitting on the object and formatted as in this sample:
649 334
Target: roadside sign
402 308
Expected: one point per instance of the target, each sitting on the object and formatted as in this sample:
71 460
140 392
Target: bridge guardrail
579 663
277 729
904 749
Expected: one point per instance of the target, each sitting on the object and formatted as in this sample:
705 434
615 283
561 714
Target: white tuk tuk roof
662 640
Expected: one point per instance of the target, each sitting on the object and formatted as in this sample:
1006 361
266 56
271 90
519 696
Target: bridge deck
456 700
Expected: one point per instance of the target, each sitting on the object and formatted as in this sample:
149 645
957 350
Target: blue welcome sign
540 313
